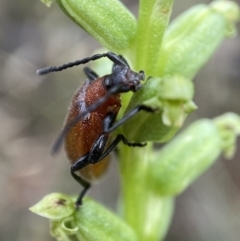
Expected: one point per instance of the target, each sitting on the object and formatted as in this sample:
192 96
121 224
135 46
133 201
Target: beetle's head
125 78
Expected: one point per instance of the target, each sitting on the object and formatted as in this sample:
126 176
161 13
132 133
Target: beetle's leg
112 56
82 162
98 149
119 138
108 123
86 185
131 113
91 157
90 73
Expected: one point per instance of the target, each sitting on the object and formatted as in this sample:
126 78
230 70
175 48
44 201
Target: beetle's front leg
113 126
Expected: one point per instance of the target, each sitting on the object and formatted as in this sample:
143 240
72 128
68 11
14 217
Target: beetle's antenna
57 144
112 56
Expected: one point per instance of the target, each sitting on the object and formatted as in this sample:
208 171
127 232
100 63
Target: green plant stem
139 201
153 18
133 167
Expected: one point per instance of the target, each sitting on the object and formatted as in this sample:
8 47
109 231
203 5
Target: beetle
92 117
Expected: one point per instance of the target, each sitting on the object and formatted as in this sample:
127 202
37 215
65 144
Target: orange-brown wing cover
81 137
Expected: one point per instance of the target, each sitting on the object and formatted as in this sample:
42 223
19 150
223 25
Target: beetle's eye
108 83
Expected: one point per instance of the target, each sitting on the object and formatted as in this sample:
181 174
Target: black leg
130 114
91 157
107 124
119 138
82 162
113 57
97 153
132 144
86 185
90 73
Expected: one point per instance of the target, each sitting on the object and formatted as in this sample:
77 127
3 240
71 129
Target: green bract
55 206
108 21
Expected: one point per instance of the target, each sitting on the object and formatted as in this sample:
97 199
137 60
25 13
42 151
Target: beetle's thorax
97 90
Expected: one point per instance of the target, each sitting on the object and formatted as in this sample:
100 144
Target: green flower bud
230 10
229 127
91 222
147 126
108 21
193 37
186 157
173 96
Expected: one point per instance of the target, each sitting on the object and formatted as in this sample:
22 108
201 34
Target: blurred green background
32 110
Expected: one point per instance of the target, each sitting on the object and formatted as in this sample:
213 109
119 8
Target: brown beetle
92 117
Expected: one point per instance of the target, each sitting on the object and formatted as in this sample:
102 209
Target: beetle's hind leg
86 185
92 157
81 163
